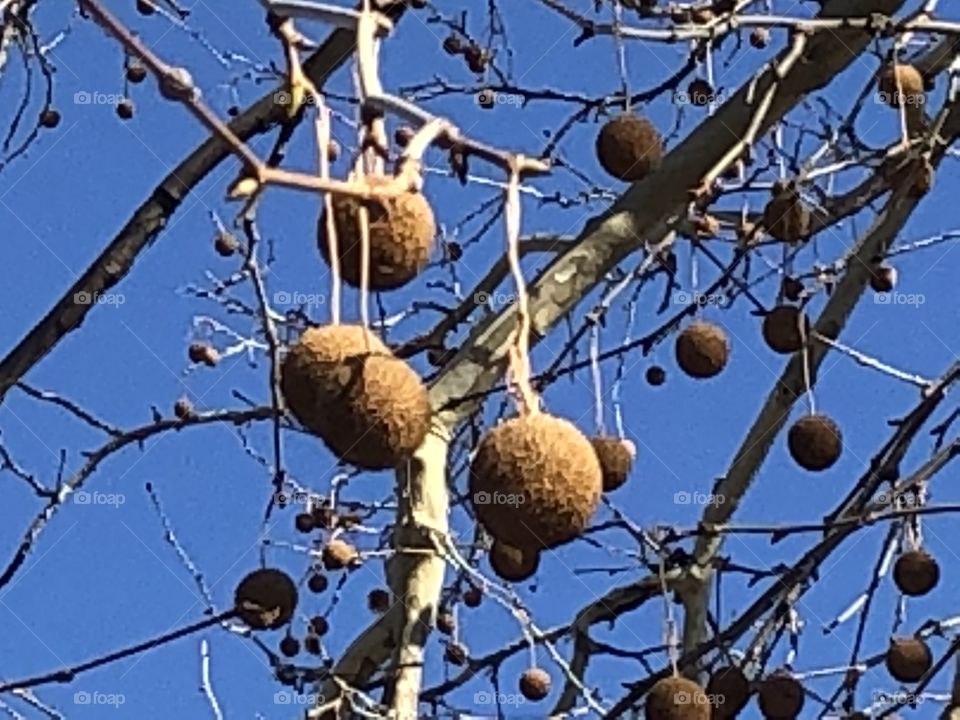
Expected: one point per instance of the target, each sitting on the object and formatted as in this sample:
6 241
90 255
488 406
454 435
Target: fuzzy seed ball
785 216
125 109
513 564
319 625
656 375
456 654
401 233
225 244
534 684
731 689
452 44
916 573
676 698
616 457
265 599
317 583
345 386
702 349
472 596
378 600
477 58
815 442
899 83
629 147
50 118
135 71
289 646
338 554
304 522
445 622
781 329
908 658
535 481
883 278
780 697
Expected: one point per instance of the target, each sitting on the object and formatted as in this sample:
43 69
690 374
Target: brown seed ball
616 457
730 691
477 58
916 573
317 583
472 596
815 442
304 522
456 654
135 71
534 684
50 118
760 38
311 643
785 216
535 481
402 230
452 44
702 349
265 599
125 109
445 622
199 352
338 554
883 278
700 92
378 600
676 698
225 244
781 329
629 147
780 697
345 386
908 658
513 564
656 375
183 408
289 646
319 625
901 84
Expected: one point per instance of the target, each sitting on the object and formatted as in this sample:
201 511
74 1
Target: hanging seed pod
225 244
781 329
317 583
477 58
616 457
702 349
50 118
629 147
781 696
289 646
472 596
304 522
445 622
676 698
265 599
916 573
883 278
729 692
815 442
908 659
534 684
901 85
452 45
513 564
785 216
656 375
700 92
311 643
136 72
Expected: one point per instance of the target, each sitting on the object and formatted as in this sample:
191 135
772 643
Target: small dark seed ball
145 7
304 522
50 118
452 45
534 684
125 109
916 573
311 643
136 72
233 111
225 244
182 408
445 622
317 583
319 625
289 646
378 600
472 597
656 375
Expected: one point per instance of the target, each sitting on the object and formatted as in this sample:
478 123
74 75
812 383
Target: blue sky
101 576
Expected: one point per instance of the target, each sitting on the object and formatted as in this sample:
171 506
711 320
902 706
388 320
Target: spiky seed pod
883 278
731 690
908 658
401 234
676 698
916 573
534 684
815 442
199 352
535 481
781 696
50 118
472 596
700 92
378 600
317 583
311 643
304 522
265 599
183 408
455 654
445 622
616 457
125 109
225 244
781 329
785 216
338 554
513 564
656 375
901 84
702 349
319 625
289 646
629 147
760 38
345 386
136 72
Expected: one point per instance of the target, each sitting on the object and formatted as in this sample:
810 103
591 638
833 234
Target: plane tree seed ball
908 658
616 458
883 278
780 697
513 564
656 375
402 230
345 386
916 573
472 596
378 600
265 599
901 84
785 216
814 442
629 147
676 698
729 689
535 481
534 684
702 349
781 329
